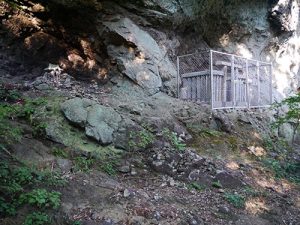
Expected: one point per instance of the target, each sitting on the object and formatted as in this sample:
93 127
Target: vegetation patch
284 169
235 199
18 189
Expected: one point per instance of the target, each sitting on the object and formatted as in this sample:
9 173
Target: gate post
211 79
258 82
233 82
247 84
271 85
178 78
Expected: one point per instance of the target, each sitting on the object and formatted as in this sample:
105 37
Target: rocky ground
129 152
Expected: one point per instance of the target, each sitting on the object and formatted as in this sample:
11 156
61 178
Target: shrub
235 199
37 218
292 116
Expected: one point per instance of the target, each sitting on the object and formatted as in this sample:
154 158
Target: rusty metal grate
224 80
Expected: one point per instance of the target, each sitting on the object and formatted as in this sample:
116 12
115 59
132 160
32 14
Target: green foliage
37 218
8 134
16 189
109 168
217 184
24 110
49 178
235 199
22 175
7 208
84 164
210 133
249 191
175 141
196 186
284 169
8 93
41 198
140 139
59 152
292 116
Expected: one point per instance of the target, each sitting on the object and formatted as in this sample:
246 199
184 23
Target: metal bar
178 78
194 53
225 53
233 81
247 85
271 85
211 79
258 82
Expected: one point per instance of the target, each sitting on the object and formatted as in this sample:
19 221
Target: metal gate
224 80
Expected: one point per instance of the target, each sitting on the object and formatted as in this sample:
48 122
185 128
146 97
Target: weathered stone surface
138 55
75 110
227 180
100 122
64 164
284 15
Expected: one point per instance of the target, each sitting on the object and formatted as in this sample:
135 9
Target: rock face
100 122
138 55
285 15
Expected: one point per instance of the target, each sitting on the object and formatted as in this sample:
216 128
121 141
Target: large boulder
137 54
75 110
100 122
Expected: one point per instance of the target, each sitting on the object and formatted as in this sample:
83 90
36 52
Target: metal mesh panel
194 81
224 80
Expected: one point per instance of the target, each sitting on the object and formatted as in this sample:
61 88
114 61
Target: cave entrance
224 80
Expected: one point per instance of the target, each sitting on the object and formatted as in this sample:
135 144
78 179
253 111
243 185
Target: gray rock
75 110
124 169
43 87
64 164
101 123
144 61
227 180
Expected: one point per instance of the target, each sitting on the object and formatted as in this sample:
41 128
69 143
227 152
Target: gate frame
211 70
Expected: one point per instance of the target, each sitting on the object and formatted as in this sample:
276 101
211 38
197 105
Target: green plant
235 199
196 186
140 139
83 164
292 116
284 169
59 152
7 208
76 222
41 198
37 218
8 93
8 133
109 168
49 178
23 175
16 183
217 184
249 191
209 133
176 142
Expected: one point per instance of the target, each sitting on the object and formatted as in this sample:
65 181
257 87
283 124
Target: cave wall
96 40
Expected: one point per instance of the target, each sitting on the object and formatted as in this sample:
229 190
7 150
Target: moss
62 132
